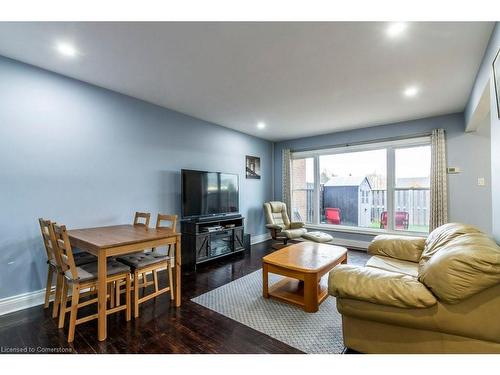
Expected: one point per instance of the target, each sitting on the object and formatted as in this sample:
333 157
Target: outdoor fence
415 201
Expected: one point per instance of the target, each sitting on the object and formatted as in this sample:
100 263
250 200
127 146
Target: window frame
390 147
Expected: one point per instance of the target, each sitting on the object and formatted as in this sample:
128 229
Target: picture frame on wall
252 167
496 79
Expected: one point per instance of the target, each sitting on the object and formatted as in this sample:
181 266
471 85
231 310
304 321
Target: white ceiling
300 79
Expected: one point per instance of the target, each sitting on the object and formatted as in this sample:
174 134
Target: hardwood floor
161 328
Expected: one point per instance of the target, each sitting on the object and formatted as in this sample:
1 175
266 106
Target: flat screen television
209 193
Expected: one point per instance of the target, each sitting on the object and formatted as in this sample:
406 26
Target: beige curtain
286 180
439 183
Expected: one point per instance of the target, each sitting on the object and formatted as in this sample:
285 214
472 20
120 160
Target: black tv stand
202 219
199 245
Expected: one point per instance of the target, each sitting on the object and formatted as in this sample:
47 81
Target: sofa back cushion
461 267
399 247
439 237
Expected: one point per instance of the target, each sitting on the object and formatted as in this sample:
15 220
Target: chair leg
144 283
64 302
127 297
74 311
171 282
48 287
57 298
117 292
155 280
136 294
111 292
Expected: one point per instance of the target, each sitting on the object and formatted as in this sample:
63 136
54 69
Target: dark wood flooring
161 328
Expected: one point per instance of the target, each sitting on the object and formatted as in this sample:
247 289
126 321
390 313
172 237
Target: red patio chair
402 220
333 215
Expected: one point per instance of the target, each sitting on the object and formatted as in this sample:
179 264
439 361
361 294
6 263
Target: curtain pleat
439 182
286 182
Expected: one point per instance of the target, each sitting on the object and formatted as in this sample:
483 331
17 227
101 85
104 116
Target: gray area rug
241 300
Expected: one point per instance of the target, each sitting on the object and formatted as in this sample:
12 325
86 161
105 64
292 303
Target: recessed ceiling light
66 49
411 91
261 125
395 29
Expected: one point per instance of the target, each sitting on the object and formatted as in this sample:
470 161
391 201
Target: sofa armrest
399 247
274 226
379 287
296 225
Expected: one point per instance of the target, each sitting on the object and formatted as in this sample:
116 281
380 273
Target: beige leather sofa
415 295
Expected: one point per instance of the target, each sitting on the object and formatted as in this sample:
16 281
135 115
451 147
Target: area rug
241 300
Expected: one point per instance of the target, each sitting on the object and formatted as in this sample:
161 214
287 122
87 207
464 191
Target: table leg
345 260
101 295
311 288
178 272
265 281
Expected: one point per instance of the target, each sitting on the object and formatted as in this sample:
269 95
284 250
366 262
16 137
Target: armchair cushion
379 287
399 247
293 233
275 213
466 265
274 226
296 225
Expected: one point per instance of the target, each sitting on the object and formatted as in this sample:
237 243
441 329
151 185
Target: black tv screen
209 193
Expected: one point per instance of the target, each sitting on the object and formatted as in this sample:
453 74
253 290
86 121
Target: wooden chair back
170 219
64 250
49 240
142 215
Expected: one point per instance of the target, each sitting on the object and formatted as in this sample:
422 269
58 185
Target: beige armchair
416 295
279 223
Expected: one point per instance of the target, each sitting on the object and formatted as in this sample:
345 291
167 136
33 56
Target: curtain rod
378 140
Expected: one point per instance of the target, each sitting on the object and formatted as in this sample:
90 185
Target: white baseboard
22 301
257 238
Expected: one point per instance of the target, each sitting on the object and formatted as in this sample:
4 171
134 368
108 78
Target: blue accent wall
468 202
85 156
484 75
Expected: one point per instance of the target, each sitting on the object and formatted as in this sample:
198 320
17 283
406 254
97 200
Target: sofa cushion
379 287
439 237
393 265
400 247
465 265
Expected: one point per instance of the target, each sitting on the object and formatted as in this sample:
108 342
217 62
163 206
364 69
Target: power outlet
480 181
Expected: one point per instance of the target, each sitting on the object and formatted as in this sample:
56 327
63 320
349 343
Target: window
302 173
412 188
380 186
346 179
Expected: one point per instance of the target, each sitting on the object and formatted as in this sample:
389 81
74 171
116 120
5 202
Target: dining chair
152 261
52 266
142 215
146 216
171 222
84 278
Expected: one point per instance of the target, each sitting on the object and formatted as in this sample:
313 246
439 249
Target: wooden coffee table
303 264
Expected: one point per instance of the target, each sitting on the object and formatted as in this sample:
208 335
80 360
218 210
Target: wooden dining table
117 240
